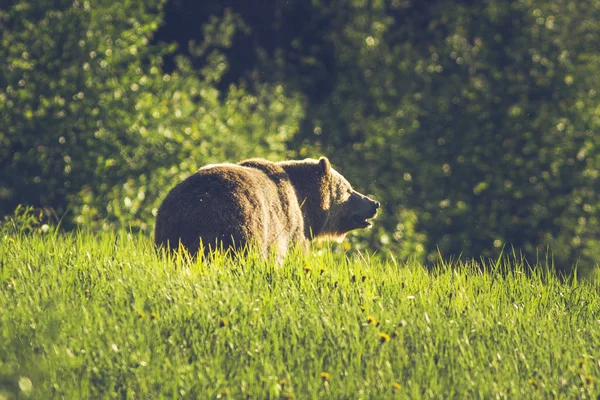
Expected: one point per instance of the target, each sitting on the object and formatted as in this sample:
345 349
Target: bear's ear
325 166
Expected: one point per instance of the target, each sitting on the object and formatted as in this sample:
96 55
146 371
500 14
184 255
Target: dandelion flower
321 270
223 322
325 375
307 268
362 308
384 337
590 380
371 320
396 386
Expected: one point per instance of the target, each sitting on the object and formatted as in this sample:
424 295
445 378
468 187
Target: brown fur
273 205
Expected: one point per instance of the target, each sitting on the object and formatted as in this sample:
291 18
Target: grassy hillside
103 316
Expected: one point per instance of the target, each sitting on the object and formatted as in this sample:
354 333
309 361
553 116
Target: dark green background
473 122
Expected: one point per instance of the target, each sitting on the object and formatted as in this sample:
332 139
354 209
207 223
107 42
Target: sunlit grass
94 316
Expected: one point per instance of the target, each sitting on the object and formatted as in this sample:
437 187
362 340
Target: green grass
104 316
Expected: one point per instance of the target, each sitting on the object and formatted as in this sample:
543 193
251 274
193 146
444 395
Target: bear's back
230 205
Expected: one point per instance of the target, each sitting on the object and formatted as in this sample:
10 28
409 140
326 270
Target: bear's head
347 209
330 207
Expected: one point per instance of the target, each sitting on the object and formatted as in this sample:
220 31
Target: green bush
26 219
94 128
473 122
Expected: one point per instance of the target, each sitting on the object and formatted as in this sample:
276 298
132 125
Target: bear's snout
366 203
362 208
376 206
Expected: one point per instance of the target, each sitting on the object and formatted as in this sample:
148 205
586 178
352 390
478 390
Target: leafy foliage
25 220
94 126
474 123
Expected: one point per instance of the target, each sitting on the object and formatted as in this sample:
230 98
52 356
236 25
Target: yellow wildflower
384 337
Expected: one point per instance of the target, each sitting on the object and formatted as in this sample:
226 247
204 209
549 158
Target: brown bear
273 205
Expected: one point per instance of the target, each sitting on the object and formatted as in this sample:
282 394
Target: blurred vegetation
94 127
474 123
